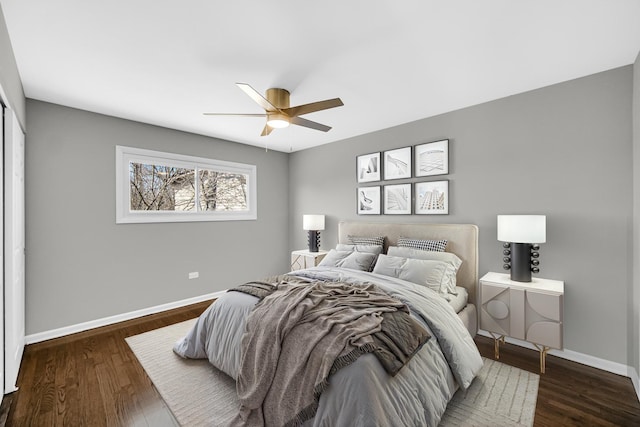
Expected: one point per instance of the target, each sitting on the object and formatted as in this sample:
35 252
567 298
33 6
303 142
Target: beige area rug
200 395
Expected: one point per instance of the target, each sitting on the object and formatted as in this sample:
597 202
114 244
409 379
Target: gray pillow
362 261
372 249
448 257
430 273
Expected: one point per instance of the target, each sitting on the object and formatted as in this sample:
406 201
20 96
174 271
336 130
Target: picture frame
432 198
397 163
368 200
432 158
368 167
397 199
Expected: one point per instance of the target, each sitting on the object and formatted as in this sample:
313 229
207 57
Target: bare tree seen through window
167 188
222 191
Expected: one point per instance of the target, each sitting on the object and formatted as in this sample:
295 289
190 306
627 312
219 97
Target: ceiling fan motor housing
278 97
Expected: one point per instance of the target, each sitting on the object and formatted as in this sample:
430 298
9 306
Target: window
152 186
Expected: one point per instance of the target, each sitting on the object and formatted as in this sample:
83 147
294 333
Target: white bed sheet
459 301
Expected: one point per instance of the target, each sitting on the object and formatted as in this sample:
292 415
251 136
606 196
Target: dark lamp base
314 240
521 262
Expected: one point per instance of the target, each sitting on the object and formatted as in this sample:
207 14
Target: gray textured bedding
361 394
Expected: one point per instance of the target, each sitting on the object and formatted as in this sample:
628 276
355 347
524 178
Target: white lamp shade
313 222
522 228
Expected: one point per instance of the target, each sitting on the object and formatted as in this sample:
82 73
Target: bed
462 240
354 386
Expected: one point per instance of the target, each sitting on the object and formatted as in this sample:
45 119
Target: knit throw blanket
300 333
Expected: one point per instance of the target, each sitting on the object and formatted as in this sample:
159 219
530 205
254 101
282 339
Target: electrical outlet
194 275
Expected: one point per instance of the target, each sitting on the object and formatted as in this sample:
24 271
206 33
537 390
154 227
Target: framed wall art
368 200
397 163
397 199
368 167
432 198
432 158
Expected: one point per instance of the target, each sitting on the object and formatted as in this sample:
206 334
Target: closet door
14 248
2 347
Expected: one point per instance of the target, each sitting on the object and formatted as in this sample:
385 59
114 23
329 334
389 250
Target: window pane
153 186
161 188
222 191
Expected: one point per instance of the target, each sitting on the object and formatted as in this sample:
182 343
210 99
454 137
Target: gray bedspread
363 393
302 332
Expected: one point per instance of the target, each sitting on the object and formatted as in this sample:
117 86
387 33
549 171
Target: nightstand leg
543 357
497 339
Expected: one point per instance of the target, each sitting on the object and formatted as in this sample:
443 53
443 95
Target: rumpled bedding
302 332
361 394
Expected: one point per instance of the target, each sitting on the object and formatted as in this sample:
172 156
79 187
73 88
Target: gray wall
563 151
81 266
9 77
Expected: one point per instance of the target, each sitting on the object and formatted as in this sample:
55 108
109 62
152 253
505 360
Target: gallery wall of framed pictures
390 198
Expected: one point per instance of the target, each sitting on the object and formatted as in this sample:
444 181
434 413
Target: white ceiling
391 62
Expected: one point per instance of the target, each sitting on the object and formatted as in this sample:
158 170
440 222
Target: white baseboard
105 321
633 374
585 359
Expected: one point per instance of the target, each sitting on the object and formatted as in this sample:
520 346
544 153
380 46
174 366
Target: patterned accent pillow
425 245
369 241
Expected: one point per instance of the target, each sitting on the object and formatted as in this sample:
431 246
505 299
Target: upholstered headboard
462 241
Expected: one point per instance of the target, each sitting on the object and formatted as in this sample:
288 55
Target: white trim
585 359
14 255
105 321
127 155
633 374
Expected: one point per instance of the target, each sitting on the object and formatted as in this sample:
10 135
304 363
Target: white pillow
431 273
362 261
448 257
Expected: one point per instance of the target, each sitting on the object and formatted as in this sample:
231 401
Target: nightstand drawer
545 333
305 259
530 311
495 311
544 305
525 314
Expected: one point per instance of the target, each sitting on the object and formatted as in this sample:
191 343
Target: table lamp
521 235
313 224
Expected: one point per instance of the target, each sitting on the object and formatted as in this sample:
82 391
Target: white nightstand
530 311
305 259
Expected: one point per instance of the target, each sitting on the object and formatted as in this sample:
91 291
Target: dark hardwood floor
572 394
93 379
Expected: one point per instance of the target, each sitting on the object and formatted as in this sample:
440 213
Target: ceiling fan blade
266 131
299 110
235 114
309 124
255 95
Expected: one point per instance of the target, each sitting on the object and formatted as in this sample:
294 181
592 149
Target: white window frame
127 155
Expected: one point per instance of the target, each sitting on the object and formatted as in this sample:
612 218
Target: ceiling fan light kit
277 120
277 110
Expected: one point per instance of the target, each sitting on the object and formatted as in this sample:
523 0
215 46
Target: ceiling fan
278 112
